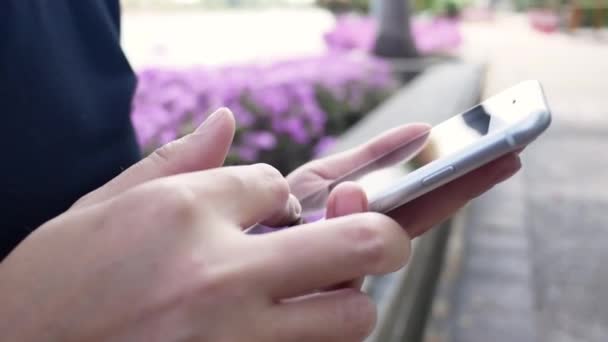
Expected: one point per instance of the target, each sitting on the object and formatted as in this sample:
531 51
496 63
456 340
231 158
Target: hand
417 216
205 148
167 260
151 256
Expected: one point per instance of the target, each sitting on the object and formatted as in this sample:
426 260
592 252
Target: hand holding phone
453 149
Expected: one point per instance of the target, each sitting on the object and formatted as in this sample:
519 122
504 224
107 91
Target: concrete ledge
404 309
438 322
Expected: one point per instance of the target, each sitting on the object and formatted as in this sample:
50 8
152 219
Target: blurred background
525 262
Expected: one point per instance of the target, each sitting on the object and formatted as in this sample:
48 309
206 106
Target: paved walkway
212 37
535 262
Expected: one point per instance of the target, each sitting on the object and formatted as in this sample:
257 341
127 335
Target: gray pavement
534 266
567 216
493 301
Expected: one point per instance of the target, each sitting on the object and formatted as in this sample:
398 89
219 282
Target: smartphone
503 123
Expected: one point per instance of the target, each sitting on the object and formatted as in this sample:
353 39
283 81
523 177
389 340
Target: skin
158 253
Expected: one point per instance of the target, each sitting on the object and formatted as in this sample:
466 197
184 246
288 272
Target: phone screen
443 140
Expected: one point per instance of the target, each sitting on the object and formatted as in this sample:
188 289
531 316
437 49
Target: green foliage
449 8
342 6
437 7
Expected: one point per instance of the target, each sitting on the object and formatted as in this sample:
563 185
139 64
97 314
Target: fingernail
211 120
295 208
330 206
506 175
347 205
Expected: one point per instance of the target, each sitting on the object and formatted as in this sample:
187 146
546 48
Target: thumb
345 199
205 148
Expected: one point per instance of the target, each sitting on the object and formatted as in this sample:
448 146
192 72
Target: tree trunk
394 39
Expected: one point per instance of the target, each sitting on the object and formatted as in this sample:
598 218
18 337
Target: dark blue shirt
65 97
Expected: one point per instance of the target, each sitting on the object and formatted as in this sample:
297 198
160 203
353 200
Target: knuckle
220 287
268 172
163 154
274 181
207 285
179 202
381 245
368 242
212 283
226 180
359 315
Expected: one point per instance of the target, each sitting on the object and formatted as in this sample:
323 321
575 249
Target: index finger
340 164
244 195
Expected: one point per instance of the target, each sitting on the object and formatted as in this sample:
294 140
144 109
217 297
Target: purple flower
273 102
262 140
243 117
247 153
324 145
316 117
295 128
167 136
355 32
352 32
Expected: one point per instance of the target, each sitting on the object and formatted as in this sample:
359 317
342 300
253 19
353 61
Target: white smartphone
501 124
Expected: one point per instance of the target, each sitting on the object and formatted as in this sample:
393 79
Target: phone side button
437 176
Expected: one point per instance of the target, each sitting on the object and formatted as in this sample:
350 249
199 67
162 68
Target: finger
296 261
286 217
245 195
203 149
342 315
430 209
347 198
335 166
355 283
352 199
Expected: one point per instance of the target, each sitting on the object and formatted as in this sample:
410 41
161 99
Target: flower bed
287 113
431 34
